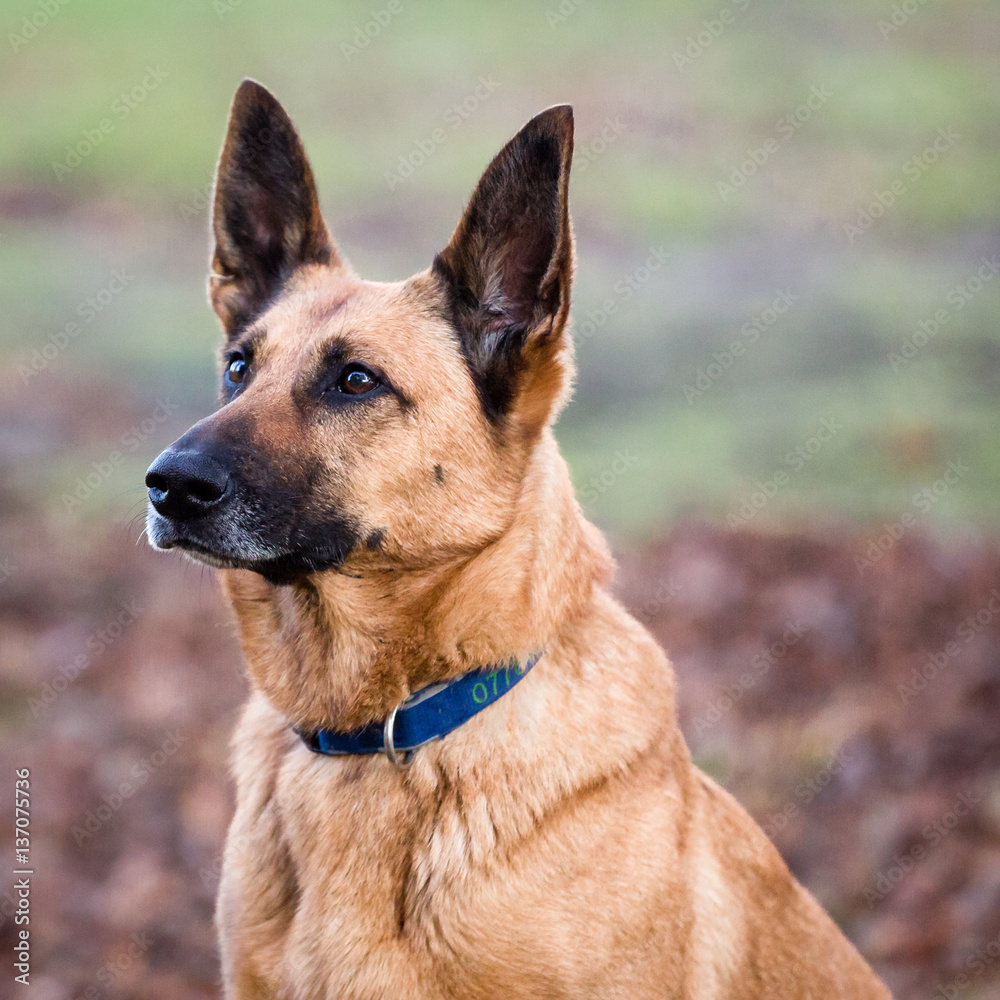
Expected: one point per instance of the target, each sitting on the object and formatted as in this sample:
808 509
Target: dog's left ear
507 273
266 219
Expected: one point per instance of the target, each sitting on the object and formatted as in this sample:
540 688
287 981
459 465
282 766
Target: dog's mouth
202 540
201 553
226 547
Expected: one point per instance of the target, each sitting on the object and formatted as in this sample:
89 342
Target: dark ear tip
557 119
250 92
563 111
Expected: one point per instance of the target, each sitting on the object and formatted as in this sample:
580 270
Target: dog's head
362 421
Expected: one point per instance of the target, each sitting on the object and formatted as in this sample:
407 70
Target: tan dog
384 492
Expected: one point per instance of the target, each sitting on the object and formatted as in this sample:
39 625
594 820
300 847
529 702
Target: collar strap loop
426 715
389 743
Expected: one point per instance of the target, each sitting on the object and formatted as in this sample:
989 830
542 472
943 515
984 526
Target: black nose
185 484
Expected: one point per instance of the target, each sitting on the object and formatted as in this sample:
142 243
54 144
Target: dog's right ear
266 218
506 274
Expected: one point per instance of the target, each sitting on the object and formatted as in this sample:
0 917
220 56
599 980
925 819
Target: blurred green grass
137 202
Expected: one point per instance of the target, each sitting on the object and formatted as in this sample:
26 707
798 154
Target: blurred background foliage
663 121
815 183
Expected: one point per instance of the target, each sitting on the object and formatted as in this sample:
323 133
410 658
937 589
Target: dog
399 538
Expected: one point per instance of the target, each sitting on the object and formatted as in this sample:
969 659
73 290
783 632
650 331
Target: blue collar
426 715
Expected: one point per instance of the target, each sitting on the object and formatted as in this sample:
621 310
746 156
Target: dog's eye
356 380
236 370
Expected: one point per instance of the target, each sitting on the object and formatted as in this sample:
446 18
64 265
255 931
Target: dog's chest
384 892
346 878
328 879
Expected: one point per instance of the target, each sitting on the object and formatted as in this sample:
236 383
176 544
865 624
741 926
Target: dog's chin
277 566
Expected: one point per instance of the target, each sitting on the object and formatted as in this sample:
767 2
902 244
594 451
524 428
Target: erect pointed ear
507 272
266 218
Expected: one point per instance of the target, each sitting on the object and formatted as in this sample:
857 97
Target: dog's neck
342 649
